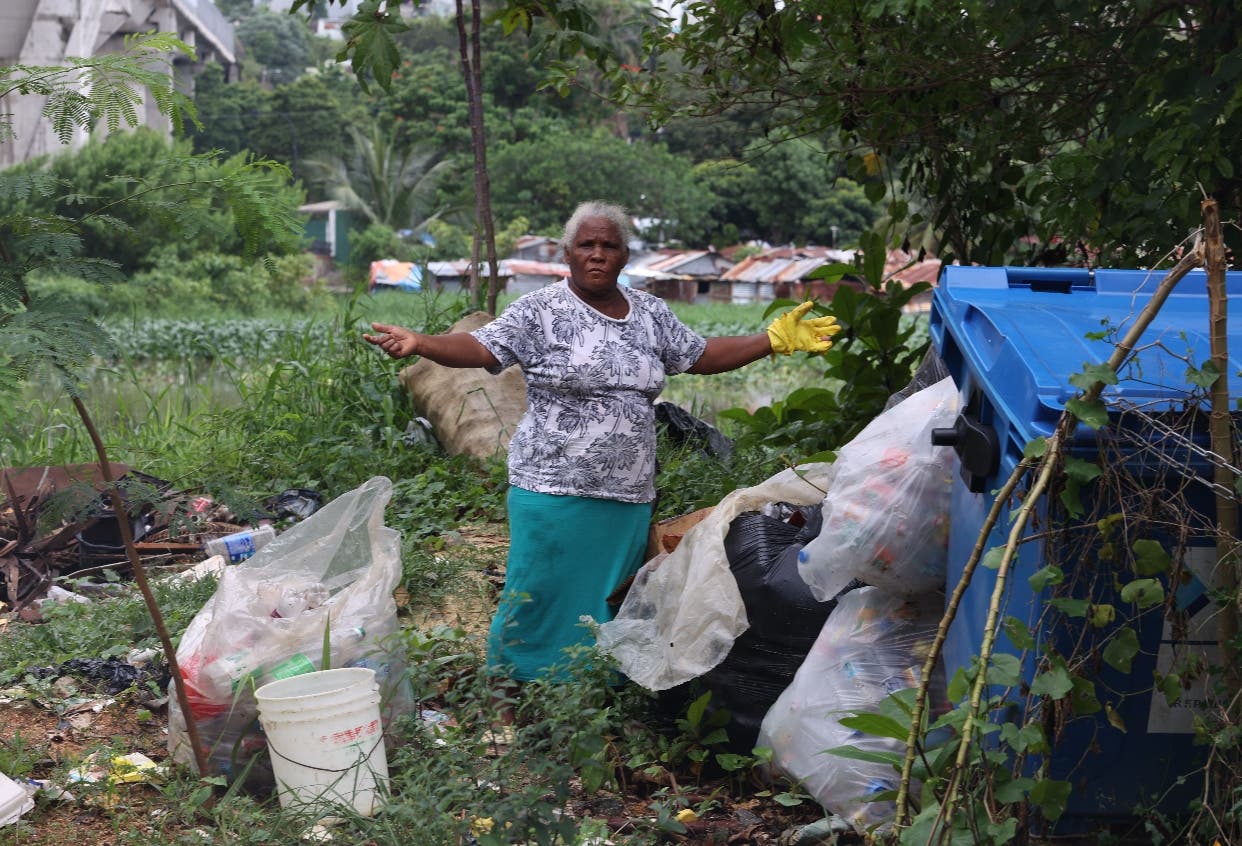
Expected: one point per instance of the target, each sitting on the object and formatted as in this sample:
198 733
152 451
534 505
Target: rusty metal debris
55 521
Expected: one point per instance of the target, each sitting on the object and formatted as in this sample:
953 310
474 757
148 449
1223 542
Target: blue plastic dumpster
1011 338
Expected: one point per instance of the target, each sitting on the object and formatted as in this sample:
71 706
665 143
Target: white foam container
14 801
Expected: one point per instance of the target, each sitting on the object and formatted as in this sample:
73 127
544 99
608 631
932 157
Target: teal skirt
566 555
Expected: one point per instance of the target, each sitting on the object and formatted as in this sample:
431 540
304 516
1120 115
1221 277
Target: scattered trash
293 504
51 790
56 593
419 432
321 831
436 723
141 657
829 830
267 620
116 674
212 566
87 532
133 768
683 427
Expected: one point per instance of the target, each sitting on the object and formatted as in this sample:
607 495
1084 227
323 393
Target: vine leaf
1171 686
1019 634
992 558
1045 576
1051 795
1121 649
1054 683
1004 670
1143 592
1150 559
1091 374
1093 414
1204 375
1102 615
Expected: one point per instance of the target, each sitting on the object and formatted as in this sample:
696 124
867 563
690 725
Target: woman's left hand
794 331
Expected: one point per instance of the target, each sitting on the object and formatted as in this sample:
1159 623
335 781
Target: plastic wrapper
886 513
931 370
332 573
873 644
684 611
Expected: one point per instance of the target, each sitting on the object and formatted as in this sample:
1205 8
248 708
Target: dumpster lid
1025 331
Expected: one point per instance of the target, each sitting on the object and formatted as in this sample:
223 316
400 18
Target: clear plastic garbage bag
684 610
874 644
332 573
886 513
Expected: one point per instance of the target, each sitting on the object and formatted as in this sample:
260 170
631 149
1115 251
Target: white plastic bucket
14 800
326 739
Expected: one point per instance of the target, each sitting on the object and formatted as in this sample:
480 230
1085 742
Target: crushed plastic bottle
240 545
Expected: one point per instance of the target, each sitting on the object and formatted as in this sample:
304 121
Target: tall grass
246 407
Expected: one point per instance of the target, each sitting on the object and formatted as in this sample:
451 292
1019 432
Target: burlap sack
472 411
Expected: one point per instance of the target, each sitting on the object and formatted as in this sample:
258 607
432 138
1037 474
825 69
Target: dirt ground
138 812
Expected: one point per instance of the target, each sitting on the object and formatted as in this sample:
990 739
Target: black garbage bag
684 428
292 504
932 370
762 549
113 675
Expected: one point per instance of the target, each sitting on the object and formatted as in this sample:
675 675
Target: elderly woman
582 461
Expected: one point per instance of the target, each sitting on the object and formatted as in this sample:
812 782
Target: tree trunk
484 227
1220 424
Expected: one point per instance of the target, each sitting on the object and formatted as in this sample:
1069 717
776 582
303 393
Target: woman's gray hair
597 208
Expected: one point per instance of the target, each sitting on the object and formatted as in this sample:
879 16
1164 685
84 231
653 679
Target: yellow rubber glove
790 332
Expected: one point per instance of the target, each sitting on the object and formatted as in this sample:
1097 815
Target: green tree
280 44
302 120
1063 119
545 179
227 111
391 185
128 192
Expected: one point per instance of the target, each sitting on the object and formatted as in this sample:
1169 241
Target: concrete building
46 32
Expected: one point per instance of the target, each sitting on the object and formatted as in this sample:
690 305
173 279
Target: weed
17 757
99 628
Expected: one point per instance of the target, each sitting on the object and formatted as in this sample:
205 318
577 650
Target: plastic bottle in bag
226 673
240 545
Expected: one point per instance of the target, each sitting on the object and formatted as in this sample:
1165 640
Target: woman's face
596 257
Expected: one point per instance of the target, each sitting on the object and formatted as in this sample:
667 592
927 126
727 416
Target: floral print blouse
591 385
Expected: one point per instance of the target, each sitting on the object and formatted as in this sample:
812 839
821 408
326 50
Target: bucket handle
366 757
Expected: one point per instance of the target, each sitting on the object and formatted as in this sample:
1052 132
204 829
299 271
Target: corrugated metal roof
526 267
461 267
764 268
671 263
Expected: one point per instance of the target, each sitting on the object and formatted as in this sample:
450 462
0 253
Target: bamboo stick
140 576
1221 428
